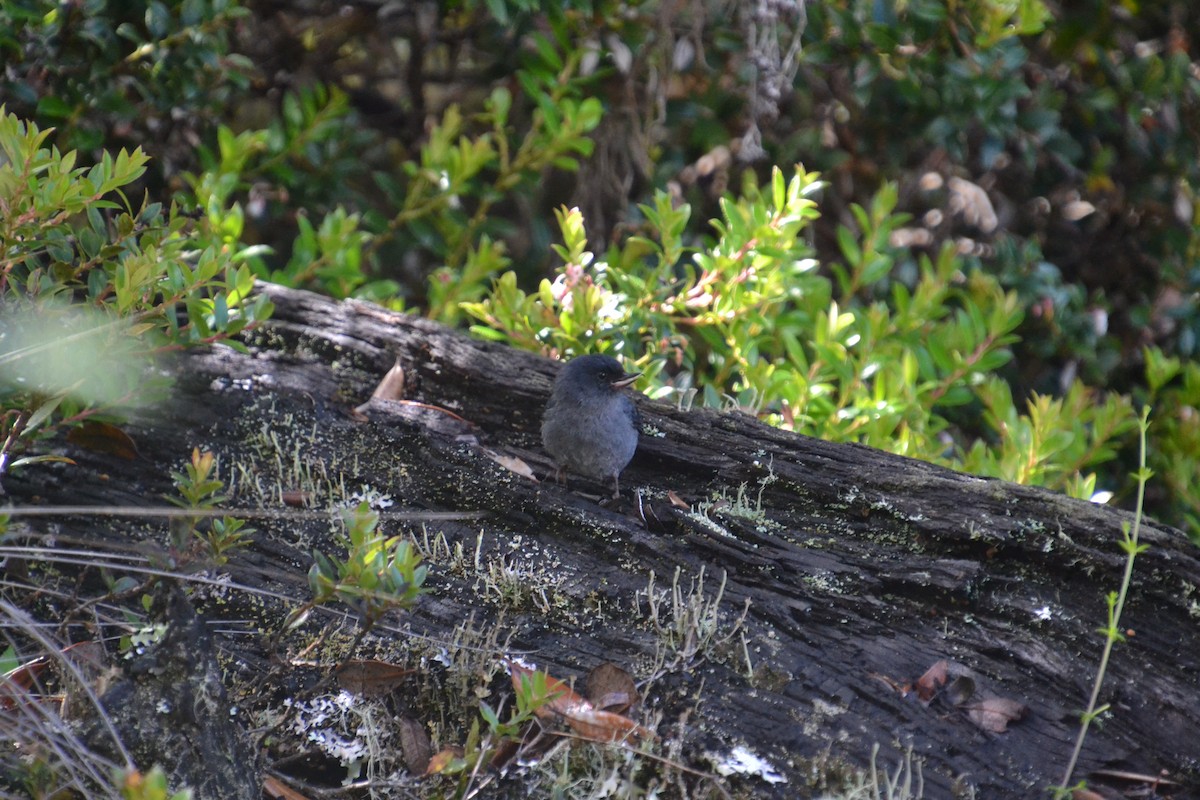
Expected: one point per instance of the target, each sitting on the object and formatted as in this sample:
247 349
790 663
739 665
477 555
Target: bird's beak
626 379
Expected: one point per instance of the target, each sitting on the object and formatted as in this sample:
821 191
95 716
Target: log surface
861 569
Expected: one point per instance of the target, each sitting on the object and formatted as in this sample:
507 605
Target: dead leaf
933 679
18 682
371 678
677 501
275 789
559 697
88 657
512 464
415 745
611 688
392 385
443 759
994 713
508 749
604 726
568 707
91 661
616 702
101 437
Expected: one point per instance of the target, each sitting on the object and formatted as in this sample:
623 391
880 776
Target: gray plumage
591 426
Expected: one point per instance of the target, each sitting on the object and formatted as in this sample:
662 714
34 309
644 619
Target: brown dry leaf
560 697
677 501
604 726
101 437
529 747
275 789
506 750
579 715
442 759
933 679
512 464
415 745
618 702
371 678
611 688
1086 794
994 713
15 685
389 397
392 385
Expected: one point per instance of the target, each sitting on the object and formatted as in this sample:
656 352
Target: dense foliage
987 259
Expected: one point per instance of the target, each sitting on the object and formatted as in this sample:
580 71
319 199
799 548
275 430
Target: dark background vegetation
996 271
1053 147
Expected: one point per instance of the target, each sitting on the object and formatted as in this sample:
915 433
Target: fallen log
776 596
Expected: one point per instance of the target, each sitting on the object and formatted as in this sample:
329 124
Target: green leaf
43 412
158 20
547 52
52 107
849 246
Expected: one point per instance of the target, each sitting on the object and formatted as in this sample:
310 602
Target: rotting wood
857 564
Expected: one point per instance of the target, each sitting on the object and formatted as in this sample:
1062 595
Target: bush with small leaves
377 575
93 287
869 355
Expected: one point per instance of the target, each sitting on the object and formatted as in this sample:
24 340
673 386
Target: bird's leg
616 486
560 475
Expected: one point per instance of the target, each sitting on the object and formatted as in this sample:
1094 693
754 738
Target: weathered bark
858 566
172 709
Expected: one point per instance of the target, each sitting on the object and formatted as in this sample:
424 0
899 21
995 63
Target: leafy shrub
314 134
105 73
750 321
447 212
1173 391
93 286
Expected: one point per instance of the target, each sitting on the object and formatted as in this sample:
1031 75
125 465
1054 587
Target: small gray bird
590 426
